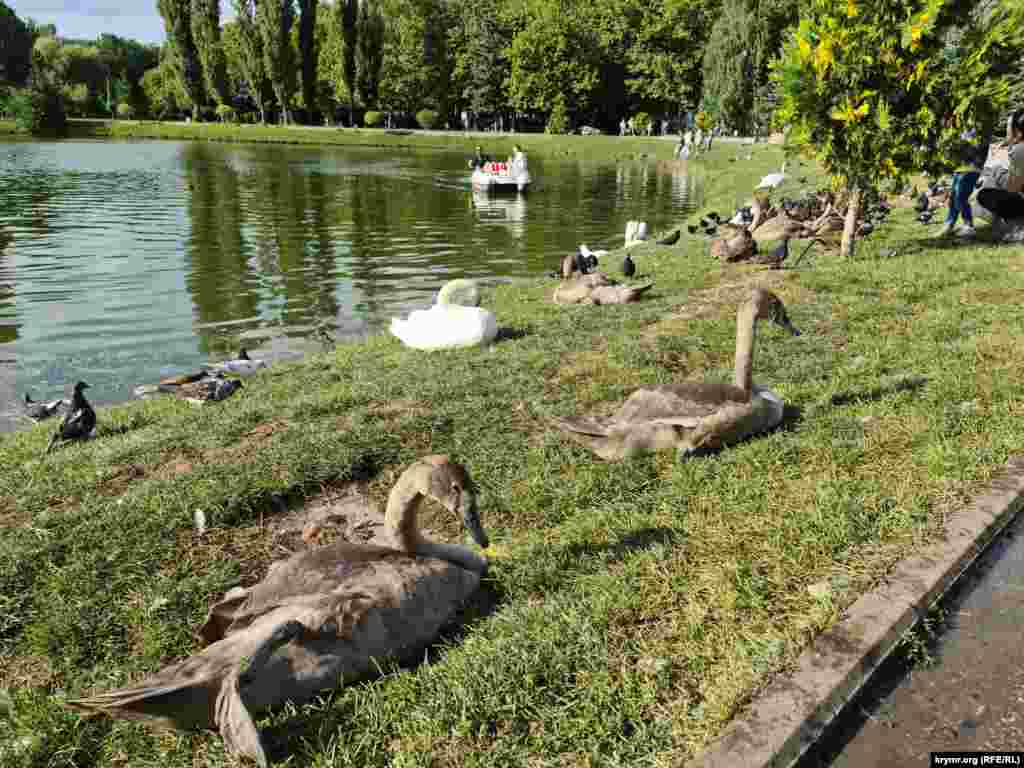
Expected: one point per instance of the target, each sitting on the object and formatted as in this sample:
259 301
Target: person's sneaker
965 231
945 230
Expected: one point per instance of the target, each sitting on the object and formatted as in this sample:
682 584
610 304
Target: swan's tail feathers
581 427
183 704
636 291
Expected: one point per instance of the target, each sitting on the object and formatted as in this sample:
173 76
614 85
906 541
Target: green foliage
39 111
479 65
205 20
163 91
274 20
871 90
558 118
427 119
181 45
15 47
347 22
372 118
369 51
309 54
641 121
243 46
225 113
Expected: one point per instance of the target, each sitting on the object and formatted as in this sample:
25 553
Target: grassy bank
498 145
638 606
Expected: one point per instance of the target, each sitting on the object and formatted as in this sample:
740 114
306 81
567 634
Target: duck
79 422
597 288
41 411
692 417
446 326
243 365
670 239
324 617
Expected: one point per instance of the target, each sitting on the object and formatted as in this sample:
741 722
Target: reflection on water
123 262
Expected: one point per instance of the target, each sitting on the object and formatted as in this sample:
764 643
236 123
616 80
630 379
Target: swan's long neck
400 523
746 323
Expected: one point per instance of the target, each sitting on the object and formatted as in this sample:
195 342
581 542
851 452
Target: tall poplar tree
309 50
177 16
347 16
206 34
370 51
274 19
250 53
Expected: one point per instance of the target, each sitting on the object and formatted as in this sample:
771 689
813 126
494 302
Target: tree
15 48
480 67
205 19
163 90
369 52
874 91
309 51
243 46
274 20
347 15
177 15
555 60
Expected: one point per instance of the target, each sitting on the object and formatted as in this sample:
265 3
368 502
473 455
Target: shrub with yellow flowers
878 89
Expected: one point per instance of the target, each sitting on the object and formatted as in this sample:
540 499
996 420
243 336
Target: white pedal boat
500 177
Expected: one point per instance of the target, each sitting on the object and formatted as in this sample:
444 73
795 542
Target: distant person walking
973 154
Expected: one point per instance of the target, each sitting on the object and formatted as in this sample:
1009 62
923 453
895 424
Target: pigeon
922 203
243 365
925 218
79 421
628 267
715 217
590 257
581 262
705 223
211 389
692 229
670 239
40 411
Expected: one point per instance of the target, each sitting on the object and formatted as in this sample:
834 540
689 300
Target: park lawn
636 607
499 146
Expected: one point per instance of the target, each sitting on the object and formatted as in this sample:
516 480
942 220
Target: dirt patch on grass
722 301
29 671
248 444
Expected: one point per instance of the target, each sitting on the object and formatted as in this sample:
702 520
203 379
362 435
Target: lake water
124 262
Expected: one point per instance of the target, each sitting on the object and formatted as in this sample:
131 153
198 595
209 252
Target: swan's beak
471 519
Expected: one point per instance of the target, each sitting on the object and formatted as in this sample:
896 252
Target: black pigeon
925 218
692 229
715 217
710 231
803 179
79 421
922 203
670 239
39 411
705 223
628 267
581 263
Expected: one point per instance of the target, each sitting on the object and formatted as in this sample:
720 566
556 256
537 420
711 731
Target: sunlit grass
639 605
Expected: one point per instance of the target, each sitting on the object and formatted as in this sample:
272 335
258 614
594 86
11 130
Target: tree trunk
850 225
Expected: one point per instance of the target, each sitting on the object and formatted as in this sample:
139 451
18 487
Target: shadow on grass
509 333
287 737
904 384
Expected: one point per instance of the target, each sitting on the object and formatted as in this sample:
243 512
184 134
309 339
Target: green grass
639 605
497 145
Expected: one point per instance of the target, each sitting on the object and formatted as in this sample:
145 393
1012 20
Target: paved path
971 699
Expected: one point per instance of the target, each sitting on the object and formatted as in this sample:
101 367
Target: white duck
449 323
243 365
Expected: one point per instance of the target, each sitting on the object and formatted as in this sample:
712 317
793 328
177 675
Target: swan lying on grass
450 322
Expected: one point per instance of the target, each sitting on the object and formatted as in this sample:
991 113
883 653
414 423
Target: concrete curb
793 711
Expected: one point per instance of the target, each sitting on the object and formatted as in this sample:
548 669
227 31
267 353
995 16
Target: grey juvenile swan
318 619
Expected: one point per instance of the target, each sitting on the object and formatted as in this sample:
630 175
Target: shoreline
659 596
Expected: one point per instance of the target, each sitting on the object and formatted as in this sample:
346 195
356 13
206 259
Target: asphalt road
970 698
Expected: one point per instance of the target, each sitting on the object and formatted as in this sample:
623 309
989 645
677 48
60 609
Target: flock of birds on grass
326 615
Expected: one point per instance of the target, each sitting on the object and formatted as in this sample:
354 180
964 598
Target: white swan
773 180
446 325
243 365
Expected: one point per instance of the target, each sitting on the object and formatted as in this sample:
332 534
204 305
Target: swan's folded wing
584 426
690 400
